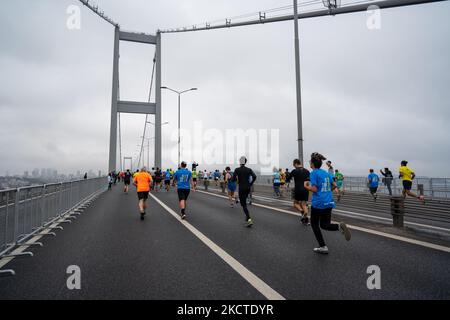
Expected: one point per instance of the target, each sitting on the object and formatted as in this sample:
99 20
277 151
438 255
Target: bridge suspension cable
262 14
146 116
332 8
94 8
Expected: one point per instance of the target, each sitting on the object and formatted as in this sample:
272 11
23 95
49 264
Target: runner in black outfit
301 195
242 175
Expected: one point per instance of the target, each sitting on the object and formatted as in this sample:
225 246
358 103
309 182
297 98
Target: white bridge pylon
119 106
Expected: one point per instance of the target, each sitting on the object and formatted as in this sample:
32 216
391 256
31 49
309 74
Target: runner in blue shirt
321 184
183 179
373 180
167 177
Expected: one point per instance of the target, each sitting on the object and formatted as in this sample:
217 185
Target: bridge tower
120 106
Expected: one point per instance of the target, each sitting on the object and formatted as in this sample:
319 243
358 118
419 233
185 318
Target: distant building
35 173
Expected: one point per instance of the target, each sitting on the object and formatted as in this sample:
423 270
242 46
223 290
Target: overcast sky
371 98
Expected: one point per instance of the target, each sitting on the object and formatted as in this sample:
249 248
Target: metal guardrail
26 211
431 187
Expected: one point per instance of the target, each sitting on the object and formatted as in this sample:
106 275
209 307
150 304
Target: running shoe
345 231
321 250
183 216
142 215
249 223
305 221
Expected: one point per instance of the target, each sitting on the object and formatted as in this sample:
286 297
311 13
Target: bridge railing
431 187
26 211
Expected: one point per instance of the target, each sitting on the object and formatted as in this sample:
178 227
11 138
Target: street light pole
298 85
179 116
179 140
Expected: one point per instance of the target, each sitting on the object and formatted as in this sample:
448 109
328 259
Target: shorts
216 179
407 185
143 195
194 179
127 182
167 182
231 187
373 190
183 194
301 195
157 180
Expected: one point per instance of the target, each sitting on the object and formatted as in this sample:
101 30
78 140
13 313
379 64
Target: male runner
183 179
374 180
143 182
158 179
167 177
127 180
301 195
242 175
407 176
194 179
339 178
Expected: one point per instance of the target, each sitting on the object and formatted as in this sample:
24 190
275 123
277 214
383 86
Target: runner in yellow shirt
407 176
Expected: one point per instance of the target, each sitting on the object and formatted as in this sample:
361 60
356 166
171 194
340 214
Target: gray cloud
370 98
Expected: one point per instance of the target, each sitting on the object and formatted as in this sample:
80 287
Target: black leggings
243 195
321 218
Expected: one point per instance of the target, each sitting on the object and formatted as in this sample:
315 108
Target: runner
282 181
242 176
126 181
374 180
301 195
231 186
205 180
330 169
288 179
216 177
167 178
322 203
158 179
388 178
172 181
194 179
143 181
407 176
183 178
276 184
252 189
110 181
339 179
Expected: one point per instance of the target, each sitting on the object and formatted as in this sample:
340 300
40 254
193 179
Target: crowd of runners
317 184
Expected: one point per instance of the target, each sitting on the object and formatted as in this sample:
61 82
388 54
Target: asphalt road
121 257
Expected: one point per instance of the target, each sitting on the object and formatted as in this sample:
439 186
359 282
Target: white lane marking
249 276
378 233
356 214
